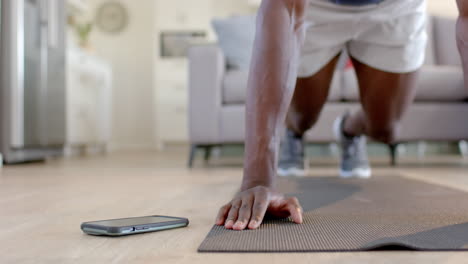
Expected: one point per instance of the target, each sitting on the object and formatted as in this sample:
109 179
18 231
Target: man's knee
301 122
307 122
383 133
462 23
463 8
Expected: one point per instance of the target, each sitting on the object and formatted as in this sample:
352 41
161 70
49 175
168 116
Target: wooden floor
43 205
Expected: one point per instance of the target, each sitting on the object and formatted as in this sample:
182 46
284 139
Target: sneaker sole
291 172
356 173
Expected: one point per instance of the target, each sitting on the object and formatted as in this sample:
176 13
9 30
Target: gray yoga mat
386 212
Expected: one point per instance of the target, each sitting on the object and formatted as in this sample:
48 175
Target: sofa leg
208 150
393 154
193 151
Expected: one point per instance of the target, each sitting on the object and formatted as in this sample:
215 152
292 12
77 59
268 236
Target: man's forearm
462 36
271 84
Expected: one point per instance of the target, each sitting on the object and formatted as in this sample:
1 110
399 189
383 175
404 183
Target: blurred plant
82 30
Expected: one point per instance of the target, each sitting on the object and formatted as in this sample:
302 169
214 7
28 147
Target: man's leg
462 36
385 97
309 97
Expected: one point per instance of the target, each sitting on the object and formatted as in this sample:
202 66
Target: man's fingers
295 210
222 214
244 213
258 210
233 213
249 209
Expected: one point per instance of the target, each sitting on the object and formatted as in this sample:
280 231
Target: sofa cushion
436 84
236 37
235 87
430 52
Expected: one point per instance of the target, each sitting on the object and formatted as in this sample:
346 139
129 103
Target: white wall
443 7
131 56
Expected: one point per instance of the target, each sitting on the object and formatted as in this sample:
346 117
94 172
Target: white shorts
390 36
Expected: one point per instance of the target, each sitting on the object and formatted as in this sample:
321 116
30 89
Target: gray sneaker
354 161
291 157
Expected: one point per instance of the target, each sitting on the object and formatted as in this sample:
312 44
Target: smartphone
134 225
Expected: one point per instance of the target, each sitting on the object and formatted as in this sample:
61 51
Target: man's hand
249 207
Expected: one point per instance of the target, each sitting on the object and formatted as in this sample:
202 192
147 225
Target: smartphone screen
134 221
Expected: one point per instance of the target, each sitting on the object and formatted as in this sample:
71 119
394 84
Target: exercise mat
384 212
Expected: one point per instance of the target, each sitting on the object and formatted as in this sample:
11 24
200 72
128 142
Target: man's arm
462 36
273 73
271 84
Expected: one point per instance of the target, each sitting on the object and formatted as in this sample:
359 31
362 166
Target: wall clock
112 17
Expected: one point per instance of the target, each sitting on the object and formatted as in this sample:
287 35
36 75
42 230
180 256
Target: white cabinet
171 73
172 101
89 97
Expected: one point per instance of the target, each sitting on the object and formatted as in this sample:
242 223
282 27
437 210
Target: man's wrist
255 178
260 160
249 184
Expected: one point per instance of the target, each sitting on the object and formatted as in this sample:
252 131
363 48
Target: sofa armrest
445 41
207 67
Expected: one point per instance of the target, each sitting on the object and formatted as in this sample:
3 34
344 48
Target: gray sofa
440 112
